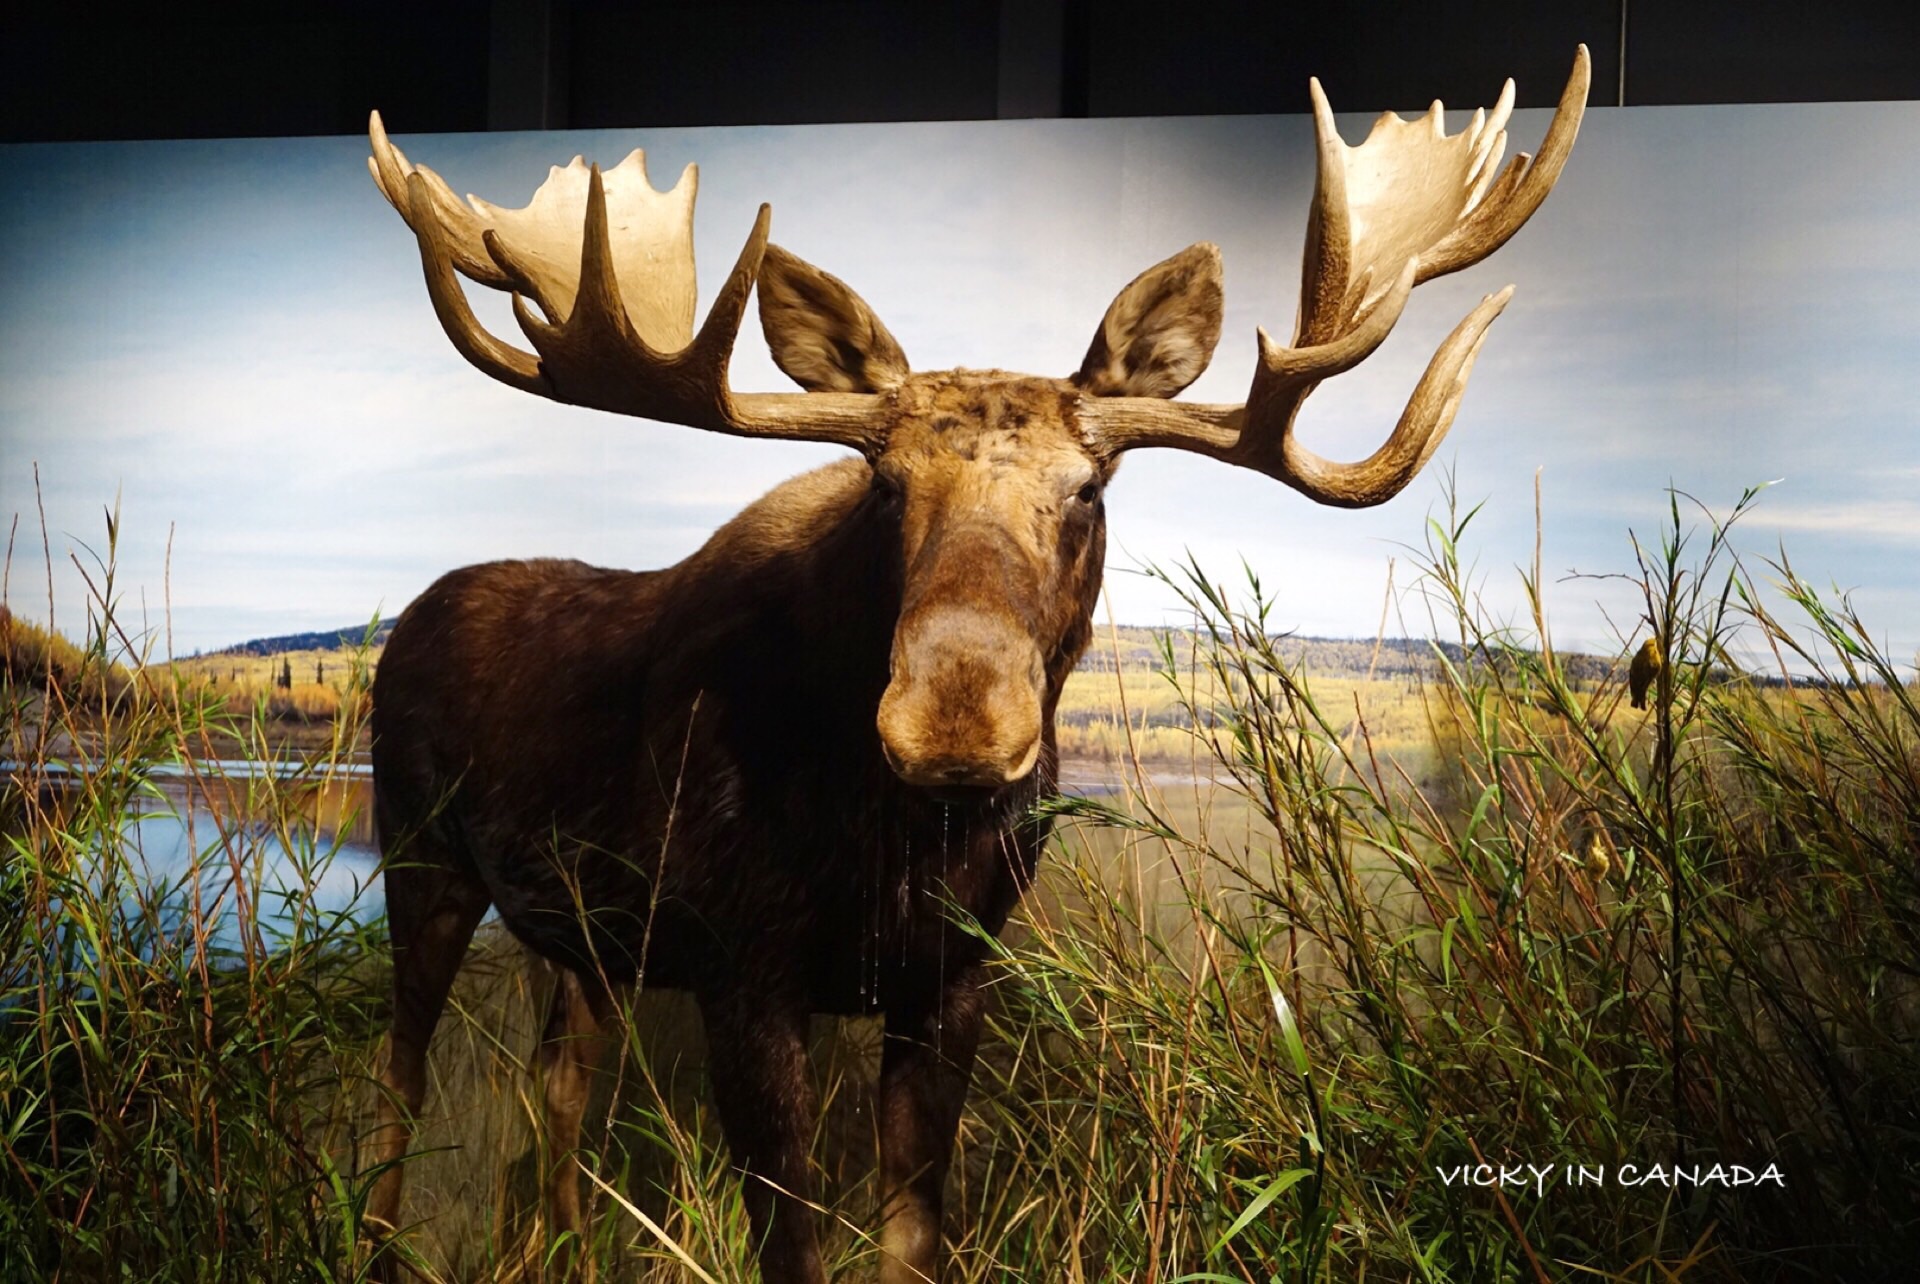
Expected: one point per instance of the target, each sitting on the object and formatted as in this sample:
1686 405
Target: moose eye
1088 493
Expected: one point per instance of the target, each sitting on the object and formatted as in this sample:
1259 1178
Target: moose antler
1409 204
616 328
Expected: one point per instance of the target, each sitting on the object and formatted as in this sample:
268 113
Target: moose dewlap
829 725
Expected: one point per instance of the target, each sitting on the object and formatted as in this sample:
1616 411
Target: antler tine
1421 427
455 227
1521 187
614 330
595 357
503 361
1409 204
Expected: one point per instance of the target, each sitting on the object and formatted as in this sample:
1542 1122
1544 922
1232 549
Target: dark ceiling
196 69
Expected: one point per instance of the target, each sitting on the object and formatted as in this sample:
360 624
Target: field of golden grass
1131 703
306 686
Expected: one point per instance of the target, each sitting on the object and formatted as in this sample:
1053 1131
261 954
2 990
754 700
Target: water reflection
243 871
193 865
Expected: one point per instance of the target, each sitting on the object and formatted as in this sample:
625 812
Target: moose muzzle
963 707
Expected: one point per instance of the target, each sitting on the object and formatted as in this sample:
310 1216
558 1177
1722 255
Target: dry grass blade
654 1228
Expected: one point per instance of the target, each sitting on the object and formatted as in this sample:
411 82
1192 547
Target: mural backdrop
234 340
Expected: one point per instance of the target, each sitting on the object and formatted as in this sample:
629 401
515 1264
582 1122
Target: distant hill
1138 649
1144 649
34 657
342 639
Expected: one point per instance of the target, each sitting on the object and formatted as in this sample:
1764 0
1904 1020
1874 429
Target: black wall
198 69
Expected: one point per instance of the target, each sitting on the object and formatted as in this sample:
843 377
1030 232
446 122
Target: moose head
995 479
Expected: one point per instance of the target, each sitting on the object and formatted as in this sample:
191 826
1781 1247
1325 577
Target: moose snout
963 707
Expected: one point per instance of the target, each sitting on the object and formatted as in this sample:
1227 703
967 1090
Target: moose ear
823 334
1158 334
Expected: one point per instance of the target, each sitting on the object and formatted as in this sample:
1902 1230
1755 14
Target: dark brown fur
764 774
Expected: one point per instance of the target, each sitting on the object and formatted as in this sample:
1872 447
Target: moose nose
962 774
963 708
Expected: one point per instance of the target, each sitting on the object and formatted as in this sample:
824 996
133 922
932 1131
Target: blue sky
233 338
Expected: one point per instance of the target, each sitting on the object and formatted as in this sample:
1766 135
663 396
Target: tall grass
173 1034
1265 1025
1684 937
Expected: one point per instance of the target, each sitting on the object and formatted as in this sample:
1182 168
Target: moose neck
800 597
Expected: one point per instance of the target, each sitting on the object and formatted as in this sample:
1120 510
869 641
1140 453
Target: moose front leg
757 1058
432 909
581 1024
925 1066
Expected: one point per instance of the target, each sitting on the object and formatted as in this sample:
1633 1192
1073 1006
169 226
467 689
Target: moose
817 743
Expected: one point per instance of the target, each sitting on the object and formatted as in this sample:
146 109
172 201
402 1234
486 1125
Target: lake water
319 875
194 851
180 837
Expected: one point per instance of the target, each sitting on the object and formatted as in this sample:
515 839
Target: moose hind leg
757 1059
580 1024
925 1065
432 910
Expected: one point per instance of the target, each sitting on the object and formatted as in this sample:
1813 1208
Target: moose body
795 773
674 778
731 827
679 752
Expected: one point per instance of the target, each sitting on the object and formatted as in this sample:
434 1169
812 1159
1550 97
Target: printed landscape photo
1411 864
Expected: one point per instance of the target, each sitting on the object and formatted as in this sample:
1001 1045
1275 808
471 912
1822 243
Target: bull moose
826 730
